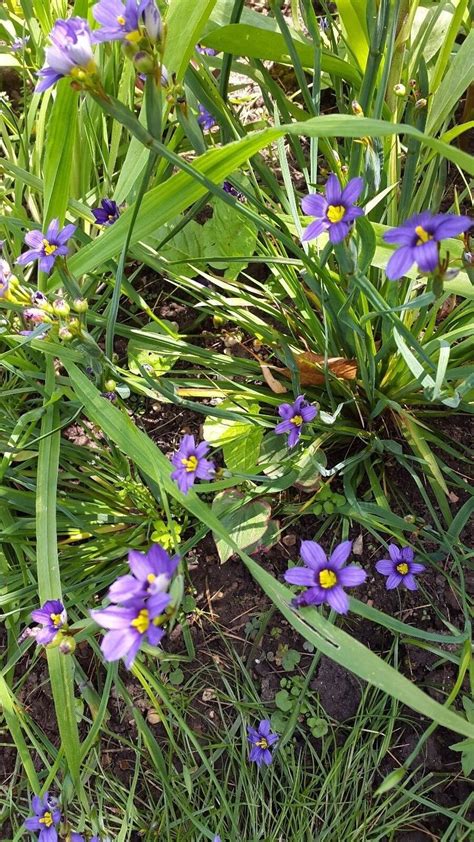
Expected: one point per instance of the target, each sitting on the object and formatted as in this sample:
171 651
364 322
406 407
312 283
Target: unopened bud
80 305
356 109
110 385
61 307
153 23
421 103
39 299
67 645
65 334
399 90
144 62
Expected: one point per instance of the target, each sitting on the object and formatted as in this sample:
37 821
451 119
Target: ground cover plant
236 294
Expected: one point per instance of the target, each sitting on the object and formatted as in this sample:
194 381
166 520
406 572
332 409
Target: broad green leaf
246 523
353 15
310 623
185 23
220 431
144 357
60 140
459 76
258 42
241 455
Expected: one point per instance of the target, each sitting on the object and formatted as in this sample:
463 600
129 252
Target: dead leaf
358 545
271 381
311 368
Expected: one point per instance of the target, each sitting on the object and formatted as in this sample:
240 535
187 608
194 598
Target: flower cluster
137 25
63 318
190 463
138 601
294 416
324 579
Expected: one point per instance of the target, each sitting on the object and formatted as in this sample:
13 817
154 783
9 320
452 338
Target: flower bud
34 314
144 62
61 307
67 646
65 334
110 385
80 305
399 90
38 299
421 103
153 23
391 780
356 109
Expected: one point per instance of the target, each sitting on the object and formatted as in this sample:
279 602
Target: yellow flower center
47 820
121 20
262 743
48 247
402 568
190 464
142 621
134 36
56 618
296 420
151 578
335 213
423 236
327 578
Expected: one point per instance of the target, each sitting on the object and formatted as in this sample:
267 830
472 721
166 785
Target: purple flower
418 238
124 21
205 119
52 616
47 816
19 43
5 275
261 739
295 415
130 625
325 578
190 463
399 568
334 212
78 837
151 575
47 247
107 214
70 53
229 188
206 51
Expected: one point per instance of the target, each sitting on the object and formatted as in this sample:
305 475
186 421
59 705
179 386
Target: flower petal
294 435
114 617
394 553
385 566
264 727
117 643
393 581
314 205
126 587
28 257
314 230
34 239
313 555
340 555
338 231
283 427
416 567
352 191
406 554
450 225
409 582
333 190
427 256
400 262
300 576
338 600
351 576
